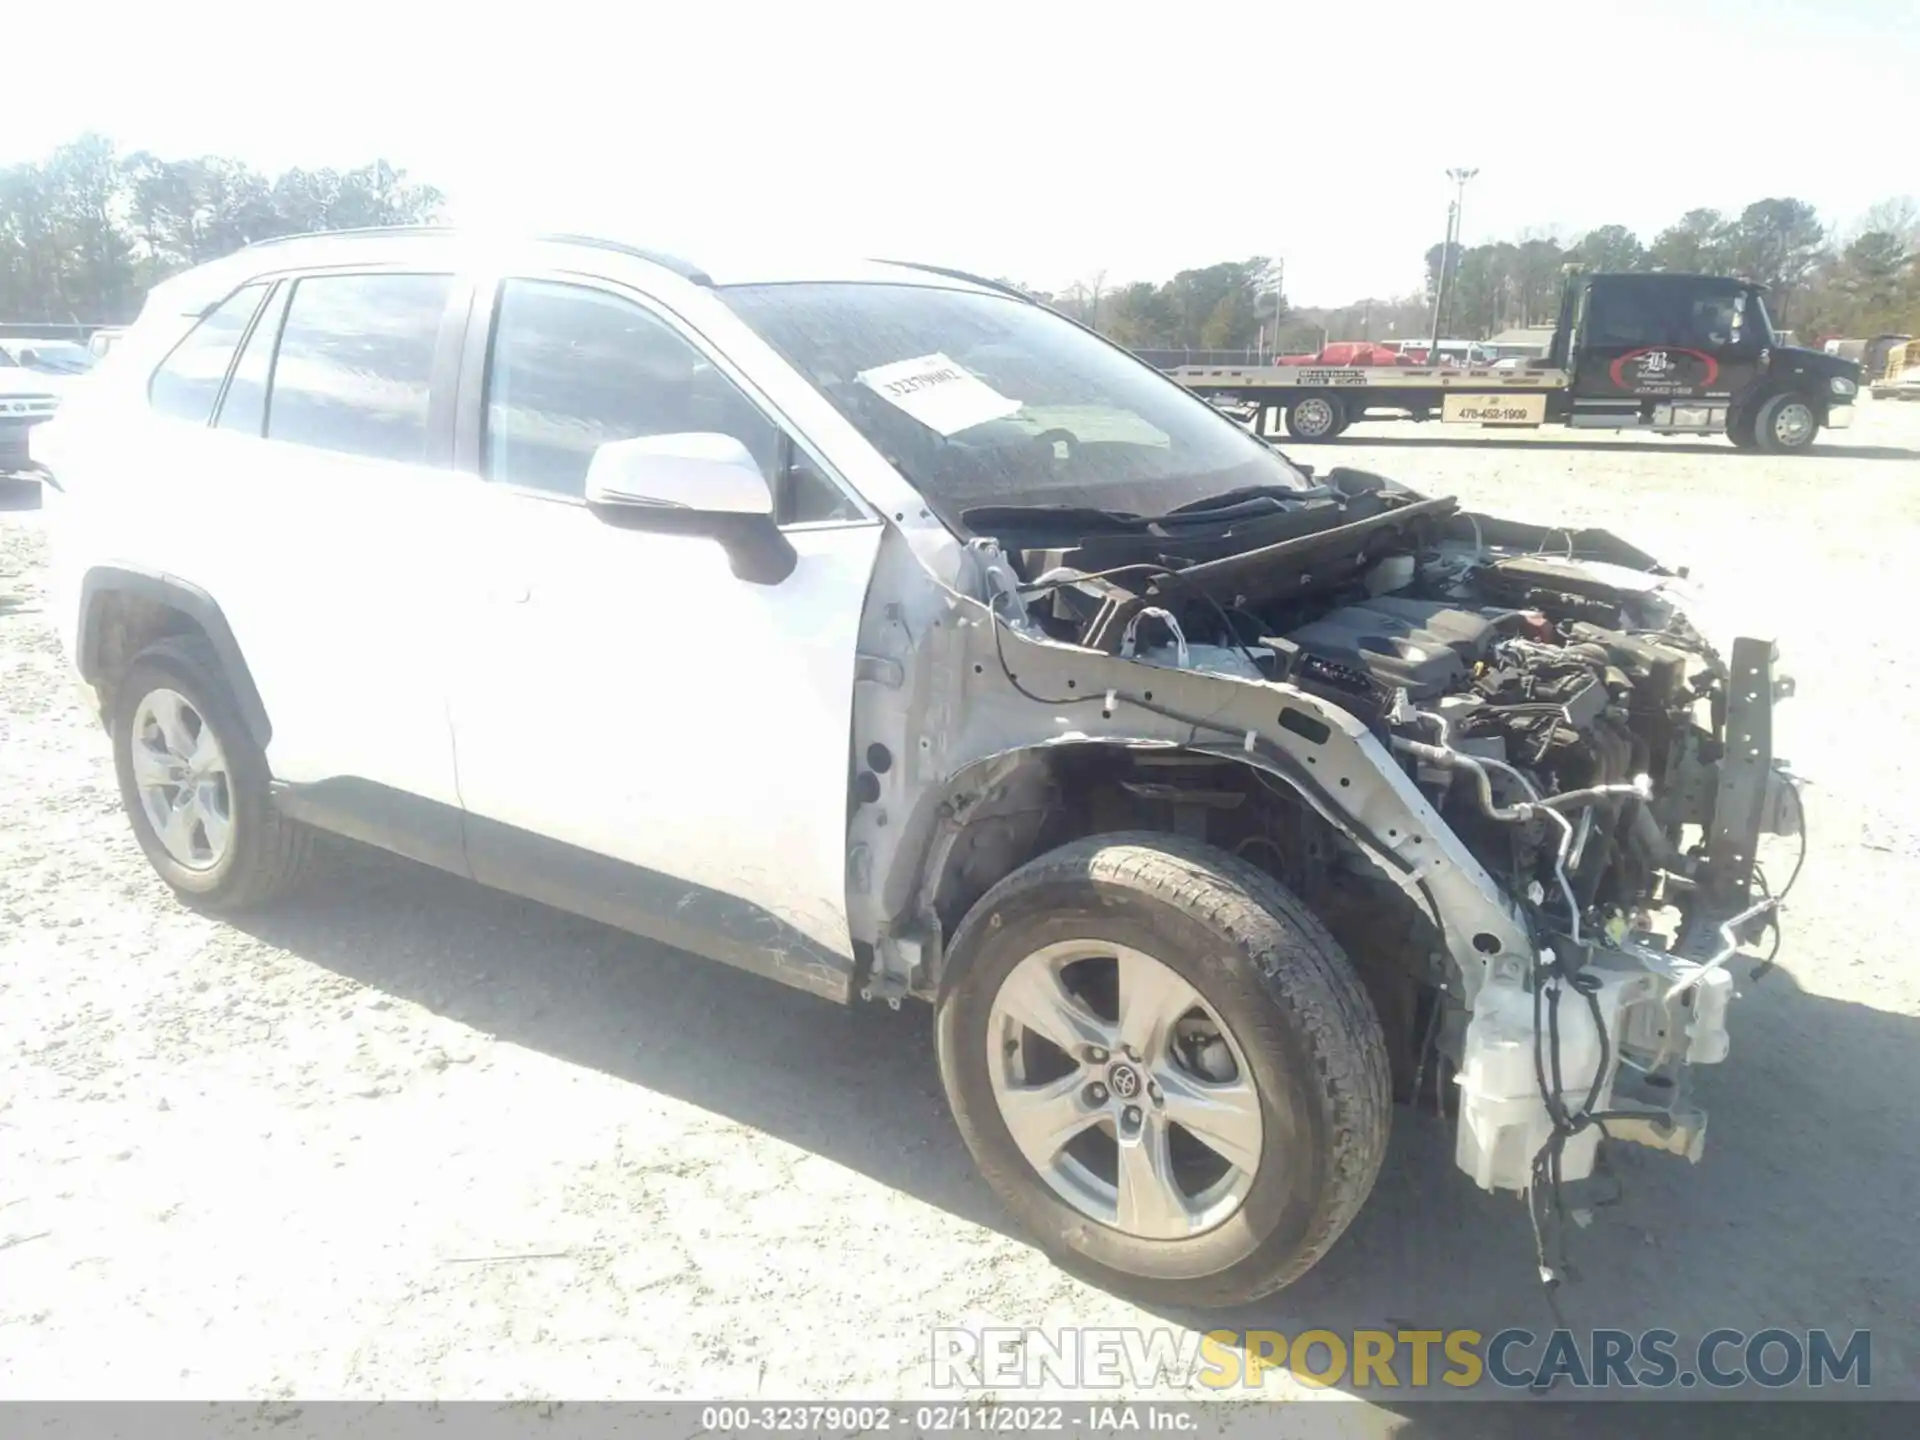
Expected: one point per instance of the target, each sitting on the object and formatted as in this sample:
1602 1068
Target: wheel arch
124 609
1003 811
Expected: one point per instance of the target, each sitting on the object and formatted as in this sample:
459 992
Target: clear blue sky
1047 140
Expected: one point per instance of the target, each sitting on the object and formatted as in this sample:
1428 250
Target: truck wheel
1786 423
1316 417
194 783
1165 1067
1740 430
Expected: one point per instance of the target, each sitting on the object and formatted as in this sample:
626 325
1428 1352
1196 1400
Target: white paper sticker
940 393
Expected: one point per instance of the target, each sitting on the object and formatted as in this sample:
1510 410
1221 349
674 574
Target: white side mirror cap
698 471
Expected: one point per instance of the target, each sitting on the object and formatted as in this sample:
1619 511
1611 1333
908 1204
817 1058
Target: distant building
1529 342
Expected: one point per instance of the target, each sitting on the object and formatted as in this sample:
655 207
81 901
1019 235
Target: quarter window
355 364
245 406
187 384
573 368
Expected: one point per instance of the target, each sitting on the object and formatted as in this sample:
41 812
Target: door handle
511 592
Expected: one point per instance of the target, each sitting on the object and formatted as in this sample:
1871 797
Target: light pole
1279 295
1459 175
1459 178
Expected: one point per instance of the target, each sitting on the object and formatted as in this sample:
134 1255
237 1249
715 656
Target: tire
263 854
1315 417
1773 426
1307 1039
1741 432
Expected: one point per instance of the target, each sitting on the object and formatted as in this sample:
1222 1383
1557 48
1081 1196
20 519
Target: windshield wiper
1240 499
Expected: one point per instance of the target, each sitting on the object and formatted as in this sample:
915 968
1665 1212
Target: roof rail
352 231
682 268
686 270
997 285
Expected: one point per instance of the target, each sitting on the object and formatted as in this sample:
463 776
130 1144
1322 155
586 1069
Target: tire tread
281 854
1305 972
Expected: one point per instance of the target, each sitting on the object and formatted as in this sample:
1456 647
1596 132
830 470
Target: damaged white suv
885 633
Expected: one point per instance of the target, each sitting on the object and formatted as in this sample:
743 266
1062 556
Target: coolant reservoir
1503 1121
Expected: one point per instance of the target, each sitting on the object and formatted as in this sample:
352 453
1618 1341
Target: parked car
826 621
45 357
1348 352
28 397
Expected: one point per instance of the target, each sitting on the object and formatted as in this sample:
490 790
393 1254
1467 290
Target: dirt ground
409 1138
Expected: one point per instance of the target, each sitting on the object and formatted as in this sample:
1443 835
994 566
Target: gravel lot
406 1137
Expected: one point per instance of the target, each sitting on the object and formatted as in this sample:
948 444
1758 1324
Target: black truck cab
1693 353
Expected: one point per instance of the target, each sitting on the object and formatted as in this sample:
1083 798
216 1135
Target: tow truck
1672 353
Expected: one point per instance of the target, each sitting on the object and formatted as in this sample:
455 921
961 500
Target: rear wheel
1165 1067
1316 417
195 783
1786 424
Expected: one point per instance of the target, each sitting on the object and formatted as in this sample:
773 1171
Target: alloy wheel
1124 1090
181 774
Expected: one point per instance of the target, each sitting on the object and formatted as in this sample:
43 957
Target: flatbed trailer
1676 354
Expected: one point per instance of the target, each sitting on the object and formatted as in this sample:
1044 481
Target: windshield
50 357
987 401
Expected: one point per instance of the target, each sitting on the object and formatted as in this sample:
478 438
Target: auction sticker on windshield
1493 409
941 394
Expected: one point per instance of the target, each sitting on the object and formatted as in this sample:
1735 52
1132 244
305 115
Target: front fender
957 692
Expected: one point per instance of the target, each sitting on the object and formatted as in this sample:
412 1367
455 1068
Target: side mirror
693 484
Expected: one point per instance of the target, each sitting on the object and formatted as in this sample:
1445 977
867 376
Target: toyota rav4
883 632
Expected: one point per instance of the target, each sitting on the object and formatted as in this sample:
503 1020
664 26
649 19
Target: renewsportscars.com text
1223 1360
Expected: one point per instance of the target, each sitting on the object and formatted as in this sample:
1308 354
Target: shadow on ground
1800 1215
19 493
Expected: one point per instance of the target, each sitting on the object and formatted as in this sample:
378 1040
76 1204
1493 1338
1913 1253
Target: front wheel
1786 424
1165 1067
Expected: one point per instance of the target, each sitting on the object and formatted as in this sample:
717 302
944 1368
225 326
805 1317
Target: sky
1048 141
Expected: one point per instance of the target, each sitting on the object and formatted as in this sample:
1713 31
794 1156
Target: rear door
322 523
1653 338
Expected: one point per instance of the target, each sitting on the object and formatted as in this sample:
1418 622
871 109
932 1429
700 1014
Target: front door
640 735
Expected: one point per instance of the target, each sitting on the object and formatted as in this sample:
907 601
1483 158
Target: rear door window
245 406
187 384
354 370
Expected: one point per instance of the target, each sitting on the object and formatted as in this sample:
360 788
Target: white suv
883 632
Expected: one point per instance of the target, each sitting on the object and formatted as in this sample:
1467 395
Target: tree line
85 232
1822 280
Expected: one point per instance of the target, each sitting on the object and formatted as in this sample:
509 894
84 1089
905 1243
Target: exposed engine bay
1603 762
